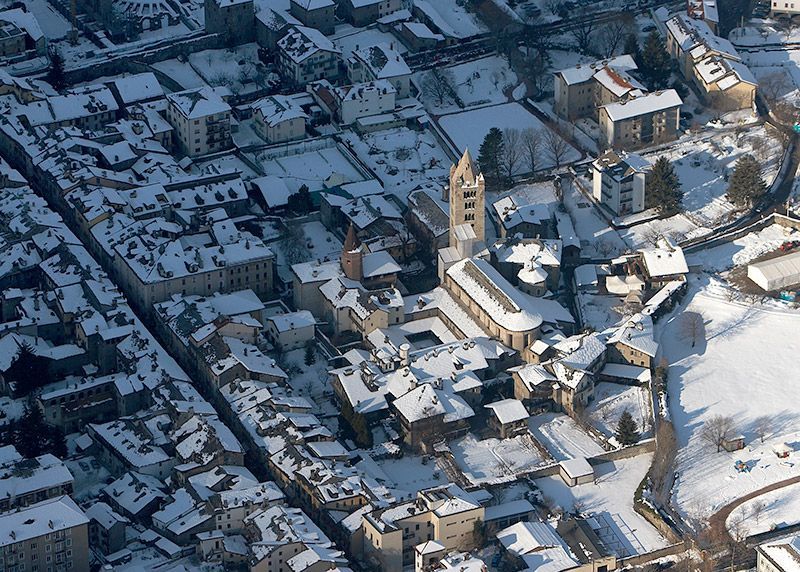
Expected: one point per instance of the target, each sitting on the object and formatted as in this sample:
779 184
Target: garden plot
562 436
496 460
467 129
234 69
401 158
778 508
599 311
314 242
404 477
743 366
612 399
702 165
311 382
481 82
610 501
312 168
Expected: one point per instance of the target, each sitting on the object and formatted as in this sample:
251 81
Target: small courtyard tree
627 429
746 185
663 189
717 430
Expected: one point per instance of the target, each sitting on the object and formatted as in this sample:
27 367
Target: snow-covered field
234 69
611 399
467 129
775 509
181 72
598 311
610 501
401 158
742 250
495 459
404 476
562 437
743 366
481 82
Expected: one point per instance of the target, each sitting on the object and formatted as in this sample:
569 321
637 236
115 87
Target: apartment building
50 535
581 89
447 514
649 119
619 181
201 119
279 119
306 55
712 63
352 102
20 32
380 62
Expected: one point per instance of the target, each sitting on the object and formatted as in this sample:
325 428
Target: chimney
404 349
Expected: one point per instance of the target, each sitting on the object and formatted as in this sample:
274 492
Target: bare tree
758 510
293 246
556 147
692 327
583 34
762 425
512 152
737 539
531 146
552 5
652 236
717 430
612 35
439 83
773 85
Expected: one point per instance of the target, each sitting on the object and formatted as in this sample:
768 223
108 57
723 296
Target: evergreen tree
627 429
656 64
55 76
28 371
746 185
300 202
632 48
491 153
663 189
310 357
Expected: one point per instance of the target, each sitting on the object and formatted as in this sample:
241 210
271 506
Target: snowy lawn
778 508
234 69
598 310
481 82
181 72
467 129
311 382
742 250
401 158
743 365
612 399
563 437
319 244
405 477
496 459
610 501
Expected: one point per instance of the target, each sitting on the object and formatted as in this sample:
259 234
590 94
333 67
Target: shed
576 471
510 417
733 443
782 450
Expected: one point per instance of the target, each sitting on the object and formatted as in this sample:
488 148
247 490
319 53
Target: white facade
291 331
364 100
201 119
619 182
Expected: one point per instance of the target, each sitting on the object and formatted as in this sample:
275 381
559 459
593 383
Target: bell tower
467 198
